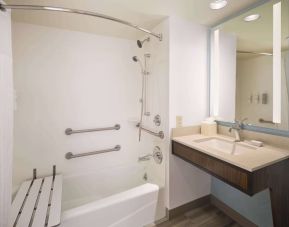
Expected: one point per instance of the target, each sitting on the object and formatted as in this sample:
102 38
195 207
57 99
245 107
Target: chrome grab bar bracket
70 131
2 8
70 155
161 134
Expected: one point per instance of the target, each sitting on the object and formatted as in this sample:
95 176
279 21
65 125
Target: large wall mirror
249 76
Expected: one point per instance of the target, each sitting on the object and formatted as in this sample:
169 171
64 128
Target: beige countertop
254 159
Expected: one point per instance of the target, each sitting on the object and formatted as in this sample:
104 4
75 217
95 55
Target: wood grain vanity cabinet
275 177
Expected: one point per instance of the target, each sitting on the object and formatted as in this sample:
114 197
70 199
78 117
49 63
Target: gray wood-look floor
205 216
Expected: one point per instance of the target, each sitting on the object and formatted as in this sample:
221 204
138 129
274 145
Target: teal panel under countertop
255 208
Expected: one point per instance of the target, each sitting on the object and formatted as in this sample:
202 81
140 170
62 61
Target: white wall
6 117
187 98
71 79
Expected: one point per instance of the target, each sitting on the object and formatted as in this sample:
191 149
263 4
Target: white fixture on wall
223 75
179 121
277 63
215 74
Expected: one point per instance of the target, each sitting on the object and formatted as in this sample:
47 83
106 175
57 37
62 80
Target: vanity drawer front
233 175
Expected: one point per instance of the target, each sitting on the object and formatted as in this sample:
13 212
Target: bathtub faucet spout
157 155
145 158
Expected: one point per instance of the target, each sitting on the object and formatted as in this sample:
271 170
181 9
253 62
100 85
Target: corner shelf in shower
38 203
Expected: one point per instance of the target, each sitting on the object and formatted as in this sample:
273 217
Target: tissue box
209 128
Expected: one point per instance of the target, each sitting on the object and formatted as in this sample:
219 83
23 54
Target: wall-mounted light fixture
215 74
277 63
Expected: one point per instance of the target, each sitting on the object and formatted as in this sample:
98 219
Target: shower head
140 43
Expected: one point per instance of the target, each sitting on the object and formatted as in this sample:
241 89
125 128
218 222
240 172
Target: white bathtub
118 198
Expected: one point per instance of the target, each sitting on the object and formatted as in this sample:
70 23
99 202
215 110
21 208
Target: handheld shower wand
135 59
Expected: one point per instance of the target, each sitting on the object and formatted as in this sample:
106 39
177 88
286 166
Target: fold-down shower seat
38 203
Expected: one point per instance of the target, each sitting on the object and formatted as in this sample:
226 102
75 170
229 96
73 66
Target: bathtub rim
110 200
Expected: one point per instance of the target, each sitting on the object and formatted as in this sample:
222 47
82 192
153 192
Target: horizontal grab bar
70 131
261 120
70 155
159 134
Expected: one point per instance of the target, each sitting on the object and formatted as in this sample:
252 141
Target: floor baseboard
189 206
241 220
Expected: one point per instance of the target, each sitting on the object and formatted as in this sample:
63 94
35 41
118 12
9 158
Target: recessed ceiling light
218 4
252 17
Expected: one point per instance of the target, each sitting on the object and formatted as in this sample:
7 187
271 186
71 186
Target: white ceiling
146 13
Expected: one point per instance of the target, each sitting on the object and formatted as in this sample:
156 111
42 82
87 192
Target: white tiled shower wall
68 79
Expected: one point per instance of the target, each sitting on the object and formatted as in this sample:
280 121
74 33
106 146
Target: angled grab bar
70 131
159 134
70 155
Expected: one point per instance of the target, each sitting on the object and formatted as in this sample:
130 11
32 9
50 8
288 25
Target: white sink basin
225 146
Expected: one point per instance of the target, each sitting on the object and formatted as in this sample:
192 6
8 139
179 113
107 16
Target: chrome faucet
145 158
156 155
237 127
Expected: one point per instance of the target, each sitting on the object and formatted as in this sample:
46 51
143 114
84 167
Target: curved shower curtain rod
3 7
